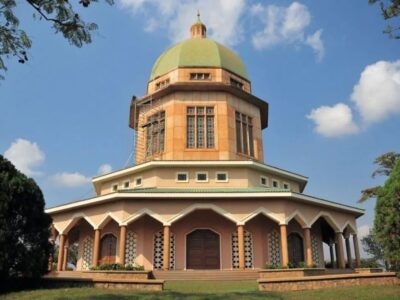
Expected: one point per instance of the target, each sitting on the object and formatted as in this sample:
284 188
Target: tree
390 9
24 226
387 218
62 15
386 163
374 248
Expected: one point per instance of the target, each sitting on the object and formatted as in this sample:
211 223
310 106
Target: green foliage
374 248
24 227
73 254
117 267
386 163
62 15
389 9
272 266
369 263
387 218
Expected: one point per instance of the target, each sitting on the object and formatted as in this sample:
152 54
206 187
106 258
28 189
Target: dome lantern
198 29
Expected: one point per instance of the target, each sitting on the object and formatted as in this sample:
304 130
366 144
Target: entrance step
206 275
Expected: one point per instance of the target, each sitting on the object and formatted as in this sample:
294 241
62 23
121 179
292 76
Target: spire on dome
198 29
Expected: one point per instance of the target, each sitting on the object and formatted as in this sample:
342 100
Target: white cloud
69 180
104 169
377 94
315 42
26 156
285 25
221 17
333 121
363 231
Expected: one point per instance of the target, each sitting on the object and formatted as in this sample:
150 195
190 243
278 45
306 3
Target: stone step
207 275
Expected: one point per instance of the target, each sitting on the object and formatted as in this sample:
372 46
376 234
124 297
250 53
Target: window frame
202 172
198 135
286 183
221 172
244 131
266 181
113 185
278 183
152 128
129 184
182 181
141 181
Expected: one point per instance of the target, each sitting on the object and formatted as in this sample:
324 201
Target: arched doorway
295 248
202 250
108 249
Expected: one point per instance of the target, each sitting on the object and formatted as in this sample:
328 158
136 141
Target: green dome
198 52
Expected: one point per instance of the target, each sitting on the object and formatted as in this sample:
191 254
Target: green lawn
221 290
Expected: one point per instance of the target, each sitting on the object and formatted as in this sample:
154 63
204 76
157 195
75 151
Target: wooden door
295 248
108 249
202 250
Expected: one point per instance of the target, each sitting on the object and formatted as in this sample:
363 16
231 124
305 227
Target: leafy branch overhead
390 9
386 163
61 14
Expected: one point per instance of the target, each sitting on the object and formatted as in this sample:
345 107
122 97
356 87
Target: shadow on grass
176 296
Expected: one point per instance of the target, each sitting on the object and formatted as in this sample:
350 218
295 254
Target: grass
221 290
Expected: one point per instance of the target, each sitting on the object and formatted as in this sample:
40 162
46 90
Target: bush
369 263
117 267
272 266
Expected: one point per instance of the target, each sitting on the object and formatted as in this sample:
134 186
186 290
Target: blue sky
331 77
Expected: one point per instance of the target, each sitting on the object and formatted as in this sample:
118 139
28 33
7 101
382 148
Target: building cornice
143 194
302 180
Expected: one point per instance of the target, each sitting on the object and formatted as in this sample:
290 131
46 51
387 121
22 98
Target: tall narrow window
238 133
250 129
200 127
190 127
244 134
155 133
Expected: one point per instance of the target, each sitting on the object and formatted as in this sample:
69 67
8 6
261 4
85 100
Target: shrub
369 263
272 266
117 267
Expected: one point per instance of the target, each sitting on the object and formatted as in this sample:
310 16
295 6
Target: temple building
199 195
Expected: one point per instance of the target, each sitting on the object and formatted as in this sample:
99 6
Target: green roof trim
198 52
204 190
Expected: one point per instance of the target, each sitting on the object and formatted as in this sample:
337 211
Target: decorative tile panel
248 250
87 256
130 248
274 248
158 258
315 242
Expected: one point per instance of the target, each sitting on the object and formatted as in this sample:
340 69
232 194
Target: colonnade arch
331 237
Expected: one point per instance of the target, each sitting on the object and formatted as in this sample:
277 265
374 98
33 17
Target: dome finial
198 29
198 16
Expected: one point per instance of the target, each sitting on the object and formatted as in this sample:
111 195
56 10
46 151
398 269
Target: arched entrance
202 250
108 249
295 248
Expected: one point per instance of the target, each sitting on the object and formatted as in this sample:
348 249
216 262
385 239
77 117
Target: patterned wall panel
274 248
87 255
315 242
130 248
248 250
158 259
